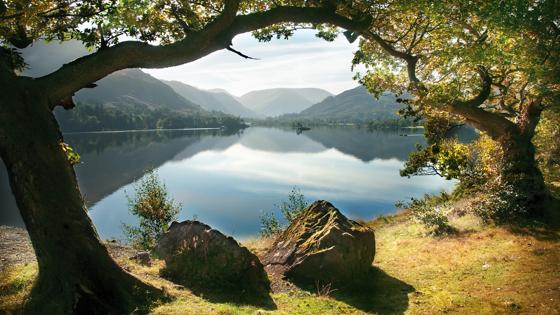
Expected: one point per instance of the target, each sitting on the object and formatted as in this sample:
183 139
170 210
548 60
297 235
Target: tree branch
529 117
495 125
215 36
230 48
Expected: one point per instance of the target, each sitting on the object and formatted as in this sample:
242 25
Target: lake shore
481 269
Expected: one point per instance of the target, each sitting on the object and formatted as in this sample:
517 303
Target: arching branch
494 124
217 35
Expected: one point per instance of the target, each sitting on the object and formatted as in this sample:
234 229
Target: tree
492 64
154 208
76 272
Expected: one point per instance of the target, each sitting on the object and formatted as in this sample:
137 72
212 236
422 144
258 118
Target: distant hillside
276 102
352 105
213 100
134 87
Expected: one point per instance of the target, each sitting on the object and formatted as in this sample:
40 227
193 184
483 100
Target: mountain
212 100
276 102
353 105
44 57
134 87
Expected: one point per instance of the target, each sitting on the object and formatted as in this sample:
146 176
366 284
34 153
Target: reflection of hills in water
113 160
366 145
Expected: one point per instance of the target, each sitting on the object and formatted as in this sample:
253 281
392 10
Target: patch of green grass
15 284
479 270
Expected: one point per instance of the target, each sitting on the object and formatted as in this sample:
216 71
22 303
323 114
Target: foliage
502 204
72 156
547 142
154 209
431 211
448 159
290 209
270 225
468 62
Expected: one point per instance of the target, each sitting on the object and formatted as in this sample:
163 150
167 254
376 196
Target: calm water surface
228 180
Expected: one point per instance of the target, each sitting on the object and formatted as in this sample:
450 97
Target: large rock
205 260
322 245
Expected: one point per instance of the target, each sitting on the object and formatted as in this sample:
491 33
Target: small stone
485 266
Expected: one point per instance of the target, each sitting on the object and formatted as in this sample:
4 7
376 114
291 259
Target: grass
479 270
15 284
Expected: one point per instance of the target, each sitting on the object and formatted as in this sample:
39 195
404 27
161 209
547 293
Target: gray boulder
322 245
205 260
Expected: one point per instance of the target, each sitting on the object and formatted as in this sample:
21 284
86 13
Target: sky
302 61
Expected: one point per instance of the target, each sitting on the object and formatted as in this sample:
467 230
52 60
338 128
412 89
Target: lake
227 180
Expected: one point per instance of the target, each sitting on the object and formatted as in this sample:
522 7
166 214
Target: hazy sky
302 61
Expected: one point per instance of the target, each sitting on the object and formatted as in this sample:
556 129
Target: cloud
302 61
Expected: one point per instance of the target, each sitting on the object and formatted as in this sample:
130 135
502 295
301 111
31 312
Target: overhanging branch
215 36
492 123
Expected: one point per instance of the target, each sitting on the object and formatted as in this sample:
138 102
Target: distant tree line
387 123
96 117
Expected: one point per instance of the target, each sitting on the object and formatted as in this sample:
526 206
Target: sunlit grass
479 270
15 284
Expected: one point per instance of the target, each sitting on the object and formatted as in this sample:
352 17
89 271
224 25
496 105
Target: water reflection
227 180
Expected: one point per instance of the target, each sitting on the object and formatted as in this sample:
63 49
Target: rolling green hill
134 87
352 105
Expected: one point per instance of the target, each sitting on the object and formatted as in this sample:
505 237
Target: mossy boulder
322 245
205 260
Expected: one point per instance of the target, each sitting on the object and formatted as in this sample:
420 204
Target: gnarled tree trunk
76 273
520 169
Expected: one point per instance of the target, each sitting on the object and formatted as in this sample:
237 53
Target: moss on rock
322 245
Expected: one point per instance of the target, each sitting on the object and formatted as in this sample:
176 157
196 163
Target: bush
502 204
270 225
154 209
290 209
430 211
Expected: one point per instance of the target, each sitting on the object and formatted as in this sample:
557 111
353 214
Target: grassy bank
479 270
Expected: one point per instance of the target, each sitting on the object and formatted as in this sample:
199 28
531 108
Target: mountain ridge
279 101
356 104
134 87
212 100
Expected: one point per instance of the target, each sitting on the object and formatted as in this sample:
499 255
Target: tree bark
76 273
521 170
520 165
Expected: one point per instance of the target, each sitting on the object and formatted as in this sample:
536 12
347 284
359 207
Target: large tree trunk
76 273
520 169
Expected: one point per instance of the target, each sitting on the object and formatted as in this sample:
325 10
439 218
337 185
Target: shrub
154 209
270 225
430 211
290 209
502 203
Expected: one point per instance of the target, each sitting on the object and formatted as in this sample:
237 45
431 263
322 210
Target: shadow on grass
375 292
540 231
234 296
